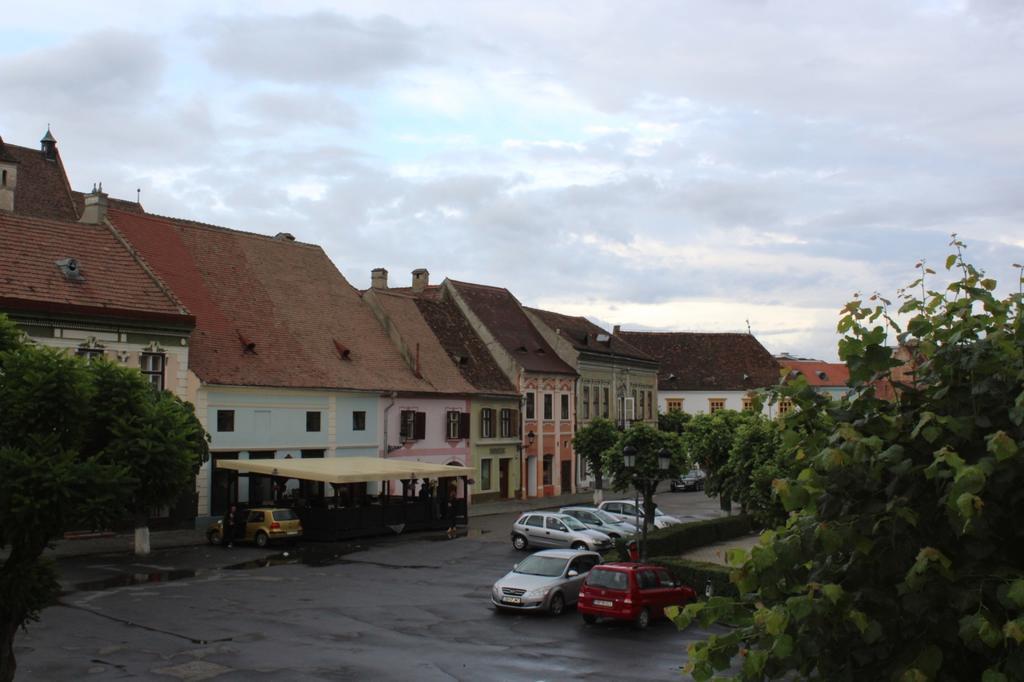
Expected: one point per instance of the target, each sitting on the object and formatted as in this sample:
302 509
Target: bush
675 540
695 574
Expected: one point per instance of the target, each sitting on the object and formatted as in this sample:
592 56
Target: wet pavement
400 608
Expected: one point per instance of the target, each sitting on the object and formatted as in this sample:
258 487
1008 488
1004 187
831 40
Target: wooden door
503 477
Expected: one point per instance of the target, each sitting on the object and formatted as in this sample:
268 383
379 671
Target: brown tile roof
818 373
307 327
466 349
499 311
587 337
78 198
115 283
42 189
704 361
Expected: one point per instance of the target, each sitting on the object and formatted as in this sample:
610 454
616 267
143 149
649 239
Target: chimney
616 329
95 211
420 279
379 278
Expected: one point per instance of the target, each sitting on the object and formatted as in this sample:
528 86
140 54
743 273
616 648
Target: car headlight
539 593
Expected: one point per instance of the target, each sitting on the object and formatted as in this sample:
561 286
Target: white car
626 510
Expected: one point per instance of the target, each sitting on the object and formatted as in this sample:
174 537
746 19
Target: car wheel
579 545
519 542
589 619
213 537
642 620
557 604
262 539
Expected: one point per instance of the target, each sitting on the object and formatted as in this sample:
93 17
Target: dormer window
71 269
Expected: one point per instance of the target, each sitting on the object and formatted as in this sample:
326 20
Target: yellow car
262 525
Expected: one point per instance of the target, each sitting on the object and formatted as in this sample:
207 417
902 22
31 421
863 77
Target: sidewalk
168 539
715 553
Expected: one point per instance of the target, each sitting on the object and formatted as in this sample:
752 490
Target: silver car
545 581
547 529
595 519
627 510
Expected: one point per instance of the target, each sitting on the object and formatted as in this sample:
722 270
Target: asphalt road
406 608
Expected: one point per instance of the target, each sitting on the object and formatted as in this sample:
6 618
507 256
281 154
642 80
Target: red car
630 591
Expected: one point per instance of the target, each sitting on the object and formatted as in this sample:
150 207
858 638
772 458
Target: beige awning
344 469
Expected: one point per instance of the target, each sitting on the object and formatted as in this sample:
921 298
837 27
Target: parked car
547 529
545 581
262 526
595 519
625 510
630 591
692 480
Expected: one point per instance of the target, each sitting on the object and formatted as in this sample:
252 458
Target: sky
680 165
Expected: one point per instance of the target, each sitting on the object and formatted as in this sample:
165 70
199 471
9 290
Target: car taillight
275 526
627 600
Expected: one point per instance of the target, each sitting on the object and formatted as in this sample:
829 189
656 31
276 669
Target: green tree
673 420
903 558
756 458
645 475
591 441
58 468
708 441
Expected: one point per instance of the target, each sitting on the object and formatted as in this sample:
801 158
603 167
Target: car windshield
608 579
604 516
572 523
541 565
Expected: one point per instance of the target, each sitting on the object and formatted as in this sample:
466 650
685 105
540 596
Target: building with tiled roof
706 371
288 359
473 417
33 182
546 382
617 381
829 378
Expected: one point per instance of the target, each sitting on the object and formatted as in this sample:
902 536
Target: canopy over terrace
345 469
351 513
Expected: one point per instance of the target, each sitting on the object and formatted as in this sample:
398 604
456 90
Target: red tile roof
818 373
284 297
500 312
42 189
78 198
587 337
704 361
115 283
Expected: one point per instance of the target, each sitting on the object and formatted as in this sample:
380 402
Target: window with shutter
515 422
464 425
419 426
531 406
453 422
487 423
506 423
407 424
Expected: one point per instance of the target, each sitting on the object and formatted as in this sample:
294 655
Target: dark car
693 480
630 591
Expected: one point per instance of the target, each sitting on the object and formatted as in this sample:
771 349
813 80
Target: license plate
511 600
293 532
602 602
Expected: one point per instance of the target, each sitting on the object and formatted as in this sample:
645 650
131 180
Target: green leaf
737 556
783 646
858 618
1014 629
832 592
993 675
1001 445
776 622
754 662
950 261
1016 592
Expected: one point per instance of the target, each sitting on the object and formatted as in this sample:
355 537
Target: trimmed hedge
675 540
696 574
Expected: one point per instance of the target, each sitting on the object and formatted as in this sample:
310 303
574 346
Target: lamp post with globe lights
647 484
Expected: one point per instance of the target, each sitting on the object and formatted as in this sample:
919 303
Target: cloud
319 47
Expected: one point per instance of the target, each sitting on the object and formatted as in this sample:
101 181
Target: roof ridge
211 226
479 286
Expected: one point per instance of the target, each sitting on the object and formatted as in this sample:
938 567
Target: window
642 411
586 402
454 424
485 474
629 408
674 405
604 404
535 521
748 404
548 466
549 410
152 365
716 404
88 354
487 423
225 420
313 421
646 580
509 423
412 425
565 406
785 406
359 420
555 524
650 405
597 402
531 406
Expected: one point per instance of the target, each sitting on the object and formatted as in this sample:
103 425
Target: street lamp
530 437
664 459
629 454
